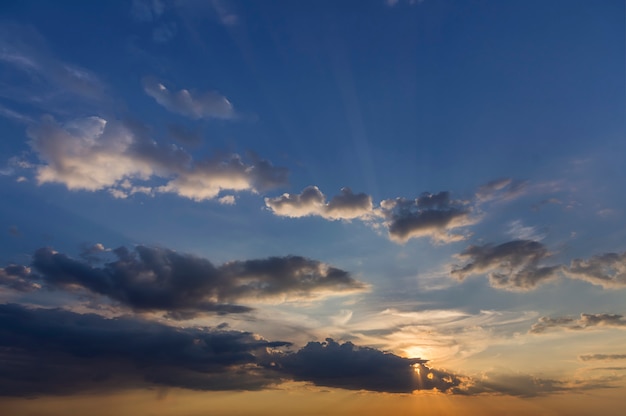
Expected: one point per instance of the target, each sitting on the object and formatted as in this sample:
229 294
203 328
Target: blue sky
435 179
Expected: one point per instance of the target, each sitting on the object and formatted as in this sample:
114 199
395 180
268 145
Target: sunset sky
313 207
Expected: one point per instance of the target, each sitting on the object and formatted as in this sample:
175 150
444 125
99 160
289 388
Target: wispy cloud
602 357
34 75
205 105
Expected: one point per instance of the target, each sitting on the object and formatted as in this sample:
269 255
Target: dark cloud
430 215
514 265
607 270
17 277
586 321
51 351
360 368
187 103
602 357
312 202
184 285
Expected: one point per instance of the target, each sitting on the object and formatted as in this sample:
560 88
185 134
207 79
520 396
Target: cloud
430 215
184 135
156 279
312 202
526 385
196 106
95 154
503 189
586 321
602 357
348 366
17 277
31 73
147 10
514 265
51 351
607 270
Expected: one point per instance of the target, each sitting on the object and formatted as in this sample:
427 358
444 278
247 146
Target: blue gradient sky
482 144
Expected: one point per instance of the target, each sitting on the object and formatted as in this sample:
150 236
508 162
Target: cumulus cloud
156 279
312 202
514 265
206 105
348 366
51 351
430 215
586 321
95 154
607 270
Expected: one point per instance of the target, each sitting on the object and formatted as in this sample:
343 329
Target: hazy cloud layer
51 351
430 215
514 265
586 321
193 105
312 202
94 154
607 270
184 285
360 368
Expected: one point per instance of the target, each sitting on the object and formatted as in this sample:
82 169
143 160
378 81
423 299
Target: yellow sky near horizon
310 401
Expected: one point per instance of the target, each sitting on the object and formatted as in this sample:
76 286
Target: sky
312 207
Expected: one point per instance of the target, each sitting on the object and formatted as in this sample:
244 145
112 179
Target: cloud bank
347 366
